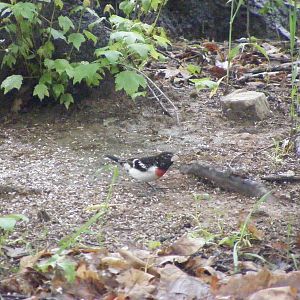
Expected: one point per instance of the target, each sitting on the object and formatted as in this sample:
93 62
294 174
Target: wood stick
226 180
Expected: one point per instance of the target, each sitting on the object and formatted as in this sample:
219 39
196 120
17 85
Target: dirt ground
53 171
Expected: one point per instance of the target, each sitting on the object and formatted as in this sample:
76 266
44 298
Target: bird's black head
165 160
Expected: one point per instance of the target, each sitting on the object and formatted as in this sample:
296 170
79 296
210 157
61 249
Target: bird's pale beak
175 158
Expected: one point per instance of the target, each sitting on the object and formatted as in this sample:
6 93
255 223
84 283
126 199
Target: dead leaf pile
254 63
176 272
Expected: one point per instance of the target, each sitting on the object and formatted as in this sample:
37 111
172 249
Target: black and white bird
146 169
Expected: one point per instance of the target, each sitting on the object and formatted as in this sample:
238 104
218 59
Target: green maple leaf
141 49
7 223
130 82
46 77
76 39
111 55
203 83
87 71
162 41
90 36
56 34
127 7
46 50
66 99
146 4
12 82
25 10
58 89
155 4
62 65
128 37
41 91
59 3
69 269
65 23
8 60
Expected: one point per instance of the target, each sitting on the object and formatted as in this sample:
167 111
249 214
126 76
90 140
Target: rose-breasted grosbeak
147 168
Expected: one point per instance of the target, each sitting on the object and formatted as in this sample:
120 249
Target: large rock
242 104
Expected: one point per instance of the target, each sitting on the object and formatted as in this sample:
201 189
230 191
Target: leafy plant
235 7
33 46
243 237
270 5
7 225
58 260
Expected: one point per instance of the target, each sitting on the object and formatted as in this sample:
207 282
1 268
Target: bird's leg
155 188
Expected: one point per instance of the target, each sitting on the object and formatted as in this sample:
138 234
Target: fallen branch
261 72
262 75
226 180
281 178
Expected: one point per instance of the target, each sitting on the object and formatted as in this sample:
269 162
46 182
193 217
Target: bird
146 169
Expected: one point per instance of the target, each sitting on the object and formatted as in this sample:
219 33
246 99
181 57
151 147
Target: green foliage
130 81
33 44
7 225
270 5
243 237
61 261
236 50
153 245
193 69
203 83
8 222
12 82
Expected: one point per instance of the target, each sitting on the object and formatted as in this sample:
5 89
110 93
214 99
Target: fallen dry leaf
30 261
186 245
280 246
15 252
114 264
86 272
241 286
136 284
25 282
137 263
208 274
212 47
256 233
162 260
175 284
280 293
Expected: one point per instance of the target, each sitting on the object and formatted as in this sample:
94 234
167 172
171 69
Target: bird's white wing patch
139 165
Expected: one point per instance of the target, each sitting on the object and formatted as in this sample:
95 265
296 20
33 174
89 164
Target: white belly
149 175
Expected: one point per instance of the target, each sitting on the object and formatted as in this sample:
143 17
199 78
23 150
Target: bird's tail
114 158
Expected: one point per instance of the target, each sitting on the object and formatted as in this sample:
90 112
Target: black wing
138 164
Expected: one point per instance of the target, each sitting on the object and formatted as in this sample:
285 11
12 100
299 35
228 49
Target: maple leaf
12 82
130 82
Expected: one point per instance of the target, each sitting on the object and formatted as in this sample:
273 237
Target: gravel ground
53 171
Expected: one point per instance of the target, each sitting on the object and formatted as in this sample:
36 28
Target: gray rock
242 104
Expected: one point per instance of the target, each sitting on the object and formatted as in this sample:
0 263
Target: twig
169 56
281 178
162 93
235 157
158 100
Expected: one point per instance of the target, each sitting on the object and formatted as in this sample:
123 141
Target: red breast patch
160 172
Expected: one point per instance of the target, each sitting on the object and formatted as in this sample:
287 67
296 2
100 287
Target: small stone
242 104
